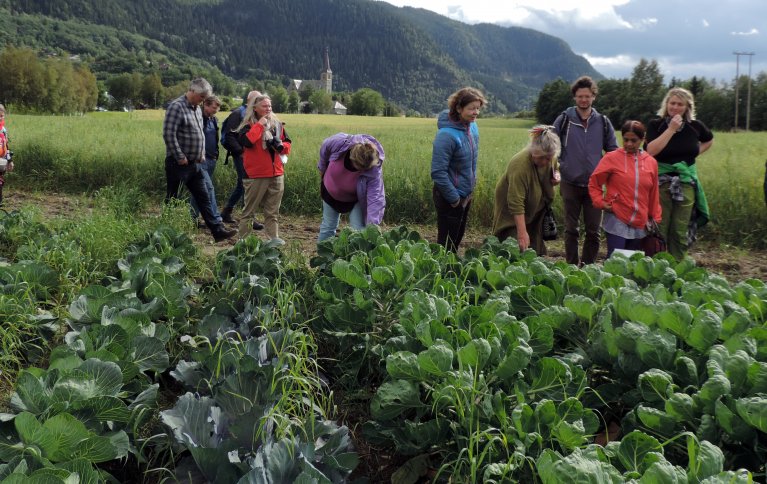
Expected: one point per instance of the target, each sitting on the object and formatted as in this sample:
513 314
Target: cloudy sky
686 37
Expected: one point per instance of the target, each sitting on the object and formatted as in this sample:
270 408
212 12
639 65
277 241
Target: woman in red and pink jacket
625 186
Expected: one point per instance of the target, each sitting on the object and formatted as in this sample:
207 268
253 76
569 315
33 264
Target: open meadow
83 153
134 350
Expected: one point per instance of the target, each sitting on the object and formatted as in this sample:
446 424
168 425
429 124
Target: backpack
566 127
229 125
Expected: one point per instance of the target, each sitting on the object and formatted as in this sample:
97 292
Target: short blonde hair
364 156
685 96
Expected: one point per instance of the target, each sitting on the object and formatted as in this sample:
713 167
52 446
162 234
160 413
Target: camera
276 144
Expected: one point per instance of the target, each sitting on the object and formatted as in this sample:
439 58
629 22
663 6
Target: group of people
350 166
259 146
649 182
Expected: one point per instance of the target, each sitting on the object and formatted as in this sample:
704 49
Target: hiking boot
257 225
224 234
201 224
226 216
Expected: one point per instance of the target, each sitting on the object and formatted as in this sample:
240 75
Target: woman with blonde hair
676 139
526 189
265 149
351 170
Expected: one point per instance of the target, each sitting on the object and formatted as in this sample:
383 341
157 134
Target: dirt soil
300 233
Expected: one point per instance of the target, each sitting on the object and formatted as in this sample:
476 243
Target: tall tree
150 92
23 78
293 102
554 98
279 97
645 91
611 99
321 102
367 102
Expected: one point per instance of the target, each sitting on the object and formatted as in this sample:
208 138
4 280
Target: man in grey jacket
585 135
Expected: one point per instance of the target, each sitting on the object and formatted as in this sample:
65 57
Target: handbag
653 242
549 224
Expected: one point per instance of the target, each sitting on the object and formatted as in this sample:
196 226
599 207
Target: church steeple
326 78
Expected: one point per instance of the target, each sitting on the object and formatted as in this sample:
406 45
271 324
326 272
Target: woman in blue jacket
454 164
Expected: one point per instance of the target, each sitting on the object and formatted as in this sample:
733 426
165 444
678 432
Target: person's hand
457 203
263 121
556 178
608 207
523 238
183 162
676 123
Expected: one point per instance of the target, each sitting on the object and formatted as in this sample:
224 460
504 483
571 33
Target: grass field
82 154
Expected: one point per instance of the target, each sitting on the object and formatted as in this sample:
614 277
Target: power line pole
737 95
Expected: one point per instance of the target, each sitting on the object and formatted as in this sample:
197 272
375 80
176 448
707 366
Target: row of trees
50 85
639 97
59 85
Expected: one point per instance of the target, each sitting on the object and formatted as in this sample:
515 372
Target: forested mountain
412 56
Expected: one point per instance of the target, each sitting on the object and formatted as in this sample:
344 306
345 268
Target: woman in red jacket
630 195
266 147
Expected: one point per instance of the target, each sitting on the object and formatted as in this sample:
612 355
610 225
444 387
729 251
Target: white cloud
536 14
612 67
705 23
748 33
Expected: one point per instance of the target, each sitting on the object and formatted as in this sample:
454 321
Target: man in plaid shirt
182 131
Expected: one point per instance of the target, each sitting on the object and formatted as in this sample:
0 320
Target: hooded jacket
370 185
631 187
582 147
454 158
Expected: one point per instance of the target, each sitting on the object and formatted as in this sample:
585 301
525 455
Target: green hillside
412 56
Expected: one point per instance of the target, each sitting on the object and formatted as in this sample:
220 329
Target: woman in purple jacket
352 182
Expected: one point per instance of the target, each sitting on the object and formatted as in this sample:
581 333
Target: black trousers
191 176
451 221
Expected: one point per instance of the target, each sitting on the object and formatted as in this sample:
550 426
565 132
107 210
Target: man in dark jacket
585 135
210 107
235 149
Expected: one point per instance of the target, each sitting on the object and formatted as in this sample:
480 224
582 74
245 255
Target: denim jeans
239 190
330 218
207 167
192 177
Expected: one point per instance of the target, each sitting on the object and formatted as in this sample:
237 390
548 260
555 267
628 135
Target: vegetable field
147 361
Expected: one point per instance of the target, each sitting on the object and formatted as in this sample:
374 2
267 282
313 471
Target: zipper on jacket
636 188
